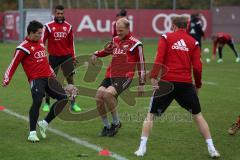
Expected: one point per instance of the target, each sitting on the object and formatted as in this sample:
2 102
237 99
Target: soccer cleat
213 153
46 107
114 129
76 108
33 137
140 151
105 132
234 128
42 127
237 60
220 60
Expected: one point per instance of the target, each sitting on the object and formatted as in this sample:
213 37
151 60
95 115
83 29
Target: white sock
33 132
143 142
45 122
210 144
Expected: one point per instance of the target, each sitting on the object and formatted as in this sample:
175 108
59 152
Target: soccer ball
208 60
206 50
71 91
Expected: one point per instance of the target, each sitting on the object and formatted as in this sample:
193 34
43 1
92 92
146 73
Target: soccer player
31 54
235 127
121 14
127 53
61 51
195 28
180 53
219 40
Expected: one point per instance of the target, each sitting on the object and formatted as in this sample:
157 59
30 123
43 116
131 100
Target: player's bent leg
205 131
111 102
102 111
231 45
147 127
55 90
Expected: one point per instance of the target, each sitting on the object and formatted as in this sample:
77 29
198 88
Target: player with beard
61 50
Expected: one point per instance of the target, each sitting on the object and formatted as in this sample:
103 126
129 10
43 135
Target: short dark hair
180 22
122 13
59 7
33 26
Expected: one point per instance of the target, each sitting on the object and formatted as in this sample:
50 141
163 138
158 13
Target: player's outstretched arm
18 56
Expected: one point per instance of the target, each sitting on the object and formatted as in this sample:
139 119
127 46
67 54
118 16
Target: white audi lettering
40 54
60 34
117 51
86 23
99 26
167 22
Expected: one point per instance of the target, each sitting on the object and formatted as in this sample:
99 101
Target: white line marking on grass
210 83
67 136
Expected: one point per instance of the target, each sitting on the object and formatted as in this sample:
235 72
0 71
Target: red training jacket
180 53
222 38
60 38
34 61
126 55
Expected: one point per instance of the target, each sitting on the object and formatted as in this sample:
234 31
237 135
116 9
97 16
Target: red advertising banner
11 22
1 25
143 23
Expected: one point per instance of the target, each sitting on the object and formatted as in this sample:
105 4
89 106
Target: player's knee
107 96
99 95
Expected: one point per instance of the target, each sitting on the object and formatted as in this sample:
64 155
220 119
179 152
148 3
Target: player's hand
140 90
154 83
94 59
108 47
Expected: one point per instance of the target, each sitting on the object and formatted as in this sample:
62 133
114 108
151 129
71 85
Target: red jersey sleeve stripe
23 49
135 45
47 26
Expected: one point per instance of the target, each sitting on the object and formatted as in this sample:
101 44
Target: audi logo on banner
40 54
167 21
60 34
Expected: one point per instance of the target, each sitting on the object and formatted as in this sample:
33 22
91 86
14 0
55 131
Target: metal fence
117 4
132 4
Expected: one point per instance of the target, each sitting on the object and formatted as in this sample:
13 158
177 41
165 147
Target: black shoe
105 132
114 129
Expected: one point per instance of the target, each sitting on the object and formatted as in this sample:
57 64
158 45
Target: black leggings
38 89
231 45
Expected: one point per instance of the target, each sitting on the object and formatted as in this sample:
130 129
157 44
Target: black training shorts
184 93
